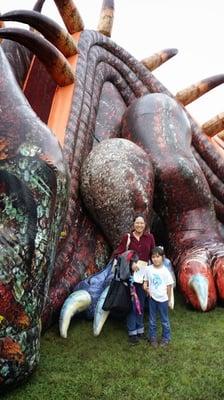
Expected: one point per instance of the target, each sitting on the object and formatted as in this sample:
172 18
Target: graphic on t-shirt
156 281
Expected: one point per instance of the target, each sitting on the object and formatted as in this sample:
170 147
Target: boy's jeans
135 322
161 308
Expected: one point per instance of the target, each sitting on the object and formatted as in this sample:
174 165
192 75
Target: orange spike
53 60
193 92
106 18
158 59
70 15
221 135
214 125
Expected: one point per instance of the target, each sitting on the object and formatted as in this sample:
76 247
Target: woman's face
139 225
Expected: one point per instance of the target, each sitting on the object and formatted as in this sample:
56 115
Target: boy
158 284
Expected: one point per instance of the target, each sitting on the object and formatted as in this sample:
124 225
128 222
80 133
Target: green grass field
87 368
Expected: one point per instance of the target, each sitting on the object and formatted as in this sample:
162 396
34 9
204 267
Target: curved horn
158 59
100 316
49 29
214 125
77 302
55 63
38 5
106 18
193 92
70 15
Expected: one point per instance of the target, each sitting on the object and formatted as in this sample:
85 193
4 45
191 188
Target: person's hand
146 289
134 267
171 304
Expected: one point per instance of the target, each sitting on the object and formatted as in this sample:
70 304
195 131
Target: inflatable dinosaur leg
33 192
183 199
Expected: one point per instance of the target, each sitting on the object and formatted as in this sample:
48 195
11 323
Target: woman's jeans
135 322
161 308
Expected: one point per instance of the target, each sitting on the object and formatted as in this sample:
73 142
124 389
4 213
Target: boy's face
157 260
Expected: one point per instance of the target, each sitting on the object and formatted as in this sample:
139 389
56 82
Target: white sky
143 27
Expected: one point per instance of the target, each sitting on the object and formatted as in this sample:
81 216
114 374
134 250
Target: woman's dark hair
139 216
158 250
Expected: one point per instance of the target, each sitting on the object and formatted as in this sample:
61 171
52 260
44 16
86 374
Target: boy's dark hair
158 250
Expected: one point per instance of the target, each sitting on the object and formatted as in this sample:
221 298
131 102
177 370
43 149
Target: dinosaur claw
199 284
196 282
100 315
77 302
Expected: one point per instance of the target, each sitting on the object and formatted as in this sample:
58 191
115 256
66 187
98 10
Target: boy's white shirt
158 280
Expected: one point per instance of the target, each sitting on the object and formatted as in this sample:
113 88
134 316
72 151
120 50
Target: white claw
77 302
200 285
100 315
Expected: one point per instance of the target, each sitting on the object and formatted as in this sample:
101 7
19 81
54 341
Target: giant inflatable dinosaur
89 136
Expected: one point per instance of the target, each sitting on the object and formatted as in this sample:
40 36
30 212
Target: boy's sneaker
164 343
153 343
133 340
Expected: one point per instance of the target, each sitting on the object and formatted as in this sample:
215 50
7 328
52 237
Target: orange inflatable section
61 103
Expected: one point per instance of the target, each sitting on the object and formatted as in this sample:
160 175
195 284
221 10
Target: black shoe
133 340
141 336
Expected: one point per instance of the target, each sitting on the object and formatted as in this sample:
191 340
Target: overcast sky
143 27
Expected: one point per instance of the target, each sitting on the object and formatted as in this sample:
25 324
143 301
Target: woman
142 243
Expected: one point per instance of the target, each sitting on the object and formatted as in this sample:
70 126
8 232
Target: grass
107 368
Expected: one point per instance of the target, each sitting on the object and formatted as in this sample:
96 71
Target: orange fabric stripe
61 103
28 74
